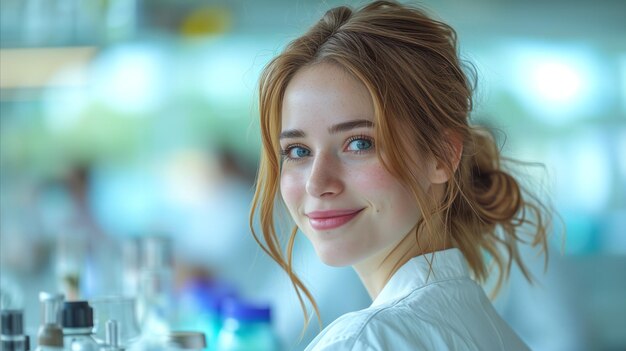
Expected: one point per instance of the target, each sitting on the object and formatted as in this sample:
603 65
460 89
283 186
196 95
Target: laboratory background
129 143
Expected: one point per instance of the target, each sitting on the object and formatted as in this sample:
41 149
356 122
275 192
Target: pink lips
326 220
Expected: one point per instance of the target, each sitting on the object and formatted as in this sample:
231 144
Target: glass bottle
50 334
155 303
77 317
12 336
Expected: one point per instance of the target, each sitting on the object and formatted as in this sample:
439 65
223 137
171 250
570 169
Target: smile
327 220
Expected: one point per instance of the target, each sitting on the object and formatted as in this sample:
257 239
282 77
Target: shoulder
429 319
389 328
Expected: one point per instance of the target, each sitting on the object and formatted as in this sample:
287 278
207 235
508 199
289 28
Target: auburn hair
422 97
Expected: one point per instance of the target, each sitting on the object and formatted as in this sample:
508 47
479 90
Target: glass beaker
120 309
50 333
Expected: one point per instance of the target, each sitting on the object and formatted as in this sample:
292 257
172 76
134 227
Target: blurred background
129 122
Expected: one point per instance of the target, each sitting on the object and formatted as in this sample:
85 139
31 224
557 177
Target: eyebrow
334 129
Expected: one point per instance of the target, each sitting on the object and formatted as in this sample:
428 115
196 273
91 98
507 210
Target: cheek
387 193
373 180
291 188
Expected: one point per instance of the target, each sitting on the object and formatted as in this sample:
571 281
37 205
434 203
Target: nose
325 176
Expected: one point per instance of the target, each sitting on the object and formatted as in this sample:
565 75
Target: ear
437 172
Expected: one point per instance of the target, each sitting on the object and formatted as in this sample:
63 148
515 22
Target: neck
376 271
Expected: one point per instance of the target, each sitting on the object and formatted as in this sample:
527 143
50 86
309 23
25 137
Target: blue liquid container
201 308
246 327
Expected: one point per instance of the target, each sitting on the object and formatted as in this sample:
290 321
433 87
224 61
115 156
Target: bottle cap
77 314
12 322
46 296
245 311
187 340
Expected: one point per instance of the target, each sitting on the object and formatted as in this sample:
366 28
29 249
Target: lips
327 220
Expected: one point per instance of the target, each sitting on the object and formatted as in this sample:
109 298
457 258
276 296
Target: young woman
366 140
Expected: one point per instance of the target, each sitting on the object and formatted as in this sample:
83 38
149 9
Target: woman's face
335 187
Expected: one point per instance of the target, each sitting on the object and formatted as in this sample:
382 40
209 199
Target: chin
335 259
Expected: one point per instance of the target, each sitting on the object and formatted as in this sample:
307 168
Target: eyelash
284 153
361 137
287 150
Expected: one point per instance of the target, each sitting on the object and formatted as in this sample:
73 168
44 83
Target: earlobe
438 172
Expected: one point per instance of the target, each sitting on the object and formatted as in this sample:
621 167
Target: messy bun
497 194
490 210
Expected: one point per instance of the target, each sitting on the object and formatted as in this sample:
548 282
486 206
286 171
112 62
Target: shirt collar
416 273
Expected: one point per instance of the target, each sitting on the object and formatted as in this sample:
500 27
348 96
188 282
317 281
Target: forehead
322 94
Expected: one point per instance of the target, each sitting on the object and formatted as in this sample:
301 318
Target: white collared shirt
445 310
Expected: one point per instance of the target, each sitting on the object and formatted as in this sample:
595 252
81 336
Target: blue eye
360 144
295 152
299 152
